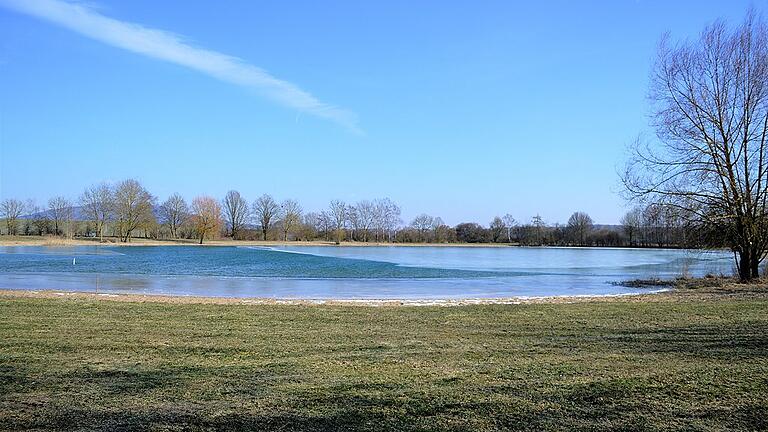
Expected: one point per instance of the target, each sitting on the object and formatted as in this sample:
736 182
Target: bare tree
710 111
509 223
312 225
422 224
354 222
60 210
497 229
438 228
325 223
235 211
28 222
291 211
538 226
652 215
174 212
11 210
38 217
206 217
386 218
338 213
365 213
631 223
133 207
392 219
69 224
579 226
265 210
97 202
379 212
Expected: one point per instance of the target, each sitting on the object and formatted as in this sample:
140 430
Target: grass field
690 364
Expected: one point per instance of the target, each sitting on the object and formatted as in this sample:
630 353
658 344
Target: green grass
83 364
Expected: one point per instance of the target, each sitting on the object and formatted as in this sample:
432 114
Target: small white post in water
73 260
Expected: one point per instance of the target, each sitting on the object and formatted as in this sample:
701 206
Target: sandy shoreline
181 299
682 291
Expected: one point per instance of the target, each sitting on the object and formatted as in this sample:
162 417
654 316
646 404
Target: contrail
169 47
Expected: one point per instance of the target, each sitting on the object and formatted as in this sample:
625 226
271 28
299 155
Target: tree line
127 209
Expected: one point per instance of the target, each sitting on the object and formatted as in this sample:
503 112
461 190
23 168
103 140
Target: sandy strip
142 298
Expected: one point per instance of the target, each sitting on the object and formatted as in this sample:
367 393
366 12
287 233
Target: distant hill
608 227
78 214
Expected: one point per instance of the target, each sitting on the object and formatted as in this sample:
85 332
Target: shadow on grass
144 420
247 399
748 340
595 408
637 404
12 380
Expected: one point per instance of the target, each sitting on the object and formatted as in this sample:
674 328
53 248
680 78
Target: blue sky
462 110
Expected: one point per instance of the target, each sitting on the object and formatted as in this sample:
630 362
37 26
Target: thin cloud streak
169 47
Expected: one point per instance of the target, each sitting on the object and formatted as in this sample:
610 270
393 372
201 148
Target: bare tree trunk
744 265
754 265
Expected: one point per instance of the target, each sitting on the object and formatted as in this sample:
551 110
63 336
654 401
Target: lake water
324 272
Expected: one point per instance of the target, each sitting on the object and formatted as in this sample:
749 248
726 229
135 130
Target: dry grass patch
688 362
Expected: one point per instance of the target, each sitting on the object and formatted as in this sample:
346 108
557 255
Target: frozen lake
326 272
